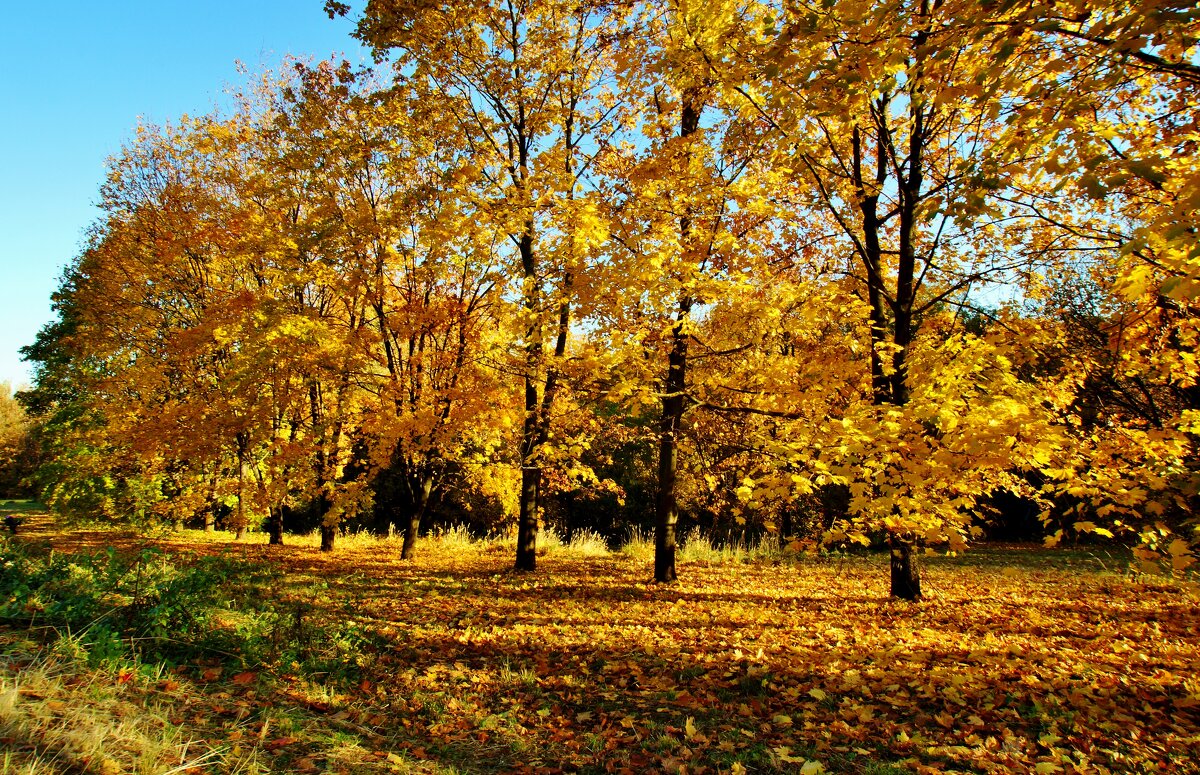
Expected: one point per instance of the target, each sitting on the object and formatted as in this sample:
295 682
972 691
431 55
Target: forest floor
1019 660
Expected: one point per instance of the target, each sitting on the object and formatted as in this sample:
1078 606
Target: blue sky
76 78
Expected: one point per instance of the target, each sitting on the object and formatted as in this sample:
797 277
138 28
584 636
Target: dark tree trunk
666 506
871 253
531 432
906 576
275 526
666 515
413 525
898 329
243 448
527 523
328 531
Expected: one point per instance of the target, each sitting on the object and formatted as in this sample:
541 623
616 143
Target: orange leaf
281 742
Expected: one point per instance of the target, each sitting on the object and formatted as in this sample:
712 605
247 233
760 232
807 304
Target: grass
639 547
453 663
17 506
60 715
583 543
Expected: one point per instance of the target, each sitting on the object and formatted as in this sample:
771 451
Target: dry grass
58 716
587 543
640 547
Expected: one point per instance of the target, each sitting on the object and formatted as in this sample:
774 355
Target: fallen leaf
281 742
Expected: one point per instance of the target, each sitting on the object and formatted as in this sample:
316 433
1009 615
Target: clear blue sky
76 77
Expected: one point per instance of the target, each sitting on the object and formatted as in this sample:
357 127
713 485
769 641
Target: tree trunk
413 525
666 506
906 576
328 529
411 528
239 527
275 526
527 522
666 515
531 432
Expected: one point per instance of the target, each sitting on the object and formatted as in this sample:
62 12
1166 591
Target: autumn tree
529 86
150 299
287 302
1116 104
309 155
17 452
199 296
412 249
892 133
682 238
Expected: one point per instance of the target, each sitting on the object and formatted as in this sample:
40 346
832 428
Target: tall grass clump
587 543
455 538
696 546
549 540
770 548
640 545
583 543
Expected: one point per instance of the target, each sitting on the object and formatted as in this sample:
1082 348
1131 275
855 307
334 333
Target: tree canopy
862 272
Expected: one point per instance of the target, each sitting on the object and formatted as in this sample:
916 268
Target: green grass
14 506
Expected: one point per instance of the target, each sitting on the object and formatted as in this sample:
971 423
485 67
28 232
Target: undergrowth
150 607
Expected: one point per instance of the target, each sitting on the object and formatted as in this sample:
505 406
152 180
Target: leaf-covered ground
1019 661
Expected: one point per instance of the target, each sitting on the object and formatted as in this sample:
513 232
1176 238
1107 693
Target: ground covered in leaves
1021 660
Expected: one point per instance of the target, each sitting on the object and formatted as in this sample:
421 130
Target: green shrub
163 606
106 607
